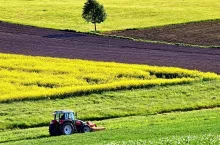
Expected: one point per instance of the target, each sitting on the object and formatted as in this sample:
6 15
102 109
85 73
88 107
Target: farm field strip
113 104
24 77
184 127
66 14
201 34
47 42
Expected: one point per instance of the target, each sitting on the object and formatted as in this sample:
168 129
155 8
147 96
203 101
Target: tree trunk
95 26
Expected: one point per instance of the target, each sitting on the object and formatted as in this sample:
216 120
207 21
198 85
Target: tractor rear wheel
85 129
67 128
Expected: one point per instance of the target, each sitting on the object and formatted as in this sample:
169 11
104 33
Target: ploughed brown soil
197 33
34 41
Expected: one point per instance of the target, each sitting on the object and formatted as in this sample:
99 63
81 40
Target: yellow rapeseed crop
27 77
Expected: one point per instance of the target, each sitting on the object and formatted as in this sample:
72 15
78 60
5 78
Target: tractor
65 123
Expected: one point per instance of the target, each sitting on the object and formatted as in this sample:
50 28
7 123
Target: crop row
24 77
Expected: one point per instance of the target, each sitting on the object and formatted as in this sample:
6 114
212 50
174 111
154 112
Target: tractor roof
63 111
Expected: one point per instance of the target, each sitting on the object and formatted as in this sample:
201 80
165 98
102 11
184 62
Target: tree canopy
94 12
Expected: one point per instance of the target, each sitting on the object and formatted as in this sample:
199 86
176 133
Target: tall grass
26 77
122 14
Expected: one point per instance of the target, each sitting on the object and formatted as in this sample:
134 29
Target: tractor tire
67 128
53 130
85 129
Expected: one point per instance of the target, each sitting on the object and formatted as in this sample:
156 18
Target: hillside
122 14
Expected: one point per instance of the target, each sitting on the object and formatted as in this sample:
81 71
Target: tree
94 12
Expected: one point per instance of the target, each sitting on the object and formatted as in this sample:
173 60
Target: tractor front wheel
86 128
67 128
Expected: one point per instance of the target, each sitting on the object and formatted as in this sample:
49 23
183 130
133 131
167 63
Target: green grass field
200 95
123 14
195 127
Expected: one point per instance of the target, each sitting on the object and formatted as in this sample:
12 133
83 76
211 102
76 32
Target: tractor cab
64 115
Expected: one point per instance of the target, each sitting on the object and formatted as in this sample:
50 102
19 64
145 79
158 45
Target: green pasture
195 127
122 14
113 104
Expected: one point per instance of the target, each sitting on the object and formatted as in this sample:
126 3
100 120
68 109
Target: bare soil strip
18 39
206 33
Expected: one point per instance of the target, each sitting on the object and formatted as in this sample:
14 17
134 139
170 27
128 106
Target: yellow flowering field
28 77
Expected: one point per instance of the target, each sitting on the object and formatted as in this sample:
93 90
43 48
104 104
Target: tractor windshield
57 116
71 116
64 116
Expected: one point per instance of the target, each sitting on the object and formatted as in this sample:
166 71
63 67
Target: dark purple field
18 39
